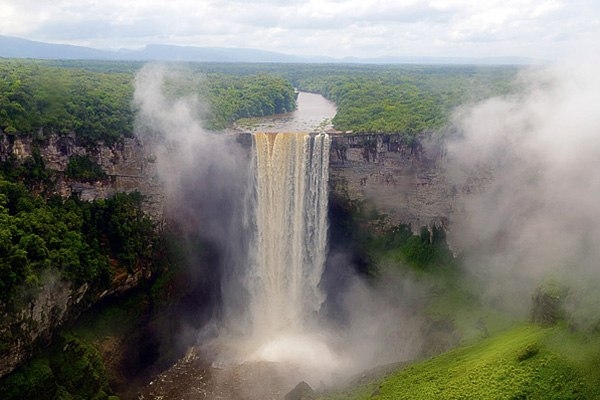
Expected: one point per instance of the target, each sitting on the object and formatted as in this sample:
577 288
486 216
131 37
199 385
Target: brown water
197 376
314 113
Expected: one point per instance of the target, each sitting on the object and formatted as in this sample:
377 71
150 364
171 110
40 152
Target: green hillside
527 362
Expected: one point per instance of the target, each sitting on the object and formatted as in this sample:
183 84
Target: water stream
284 268
291 172
313 113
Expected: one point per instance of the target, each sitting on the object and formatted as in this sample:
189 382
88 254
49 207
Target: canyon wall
403 181
129 166
400 181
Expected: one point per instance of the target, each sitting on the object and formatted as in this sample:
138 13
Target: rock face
403 180
46 310
129 166
302 391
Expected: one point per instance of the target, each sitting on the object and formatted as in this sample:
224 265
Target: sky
539 29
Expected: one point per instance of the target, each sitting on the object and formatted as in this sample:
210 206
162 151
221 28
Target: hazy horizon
537 29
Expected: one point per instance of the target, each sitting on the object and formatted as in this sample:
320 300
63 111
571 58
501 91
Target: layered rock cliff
402 180
129 167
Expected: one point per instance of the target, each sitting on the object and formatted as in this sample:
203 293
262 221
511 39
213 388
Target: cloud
190 157
538 28
534 214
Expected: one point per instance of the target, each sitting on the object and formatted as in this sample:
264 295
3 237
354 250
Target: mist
527 165
527 213
203 175
206 178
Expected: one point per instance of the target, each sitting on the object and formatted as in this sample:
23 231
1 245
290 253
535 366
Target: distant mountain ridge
14 47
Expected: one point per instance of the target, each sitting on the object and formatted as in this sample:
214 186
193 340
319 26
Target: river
198 375
313 113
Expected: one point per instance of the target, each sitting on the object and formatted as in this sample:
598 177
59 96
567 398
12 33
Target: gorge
300 200
394 170
172 261
274 292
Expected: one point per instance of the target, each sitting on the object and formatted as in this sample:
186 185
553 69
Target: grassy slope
500 357
527 362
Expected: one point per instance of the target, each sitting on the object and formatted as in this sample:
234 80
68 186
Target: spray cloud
208 180
203 176
537 215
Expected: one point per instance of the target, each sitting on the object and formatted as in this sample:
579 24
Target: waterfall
290 239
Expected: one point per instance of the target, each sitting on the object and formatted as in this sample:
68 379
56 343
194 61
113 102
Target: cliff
128 164
36 314
400 179
404 181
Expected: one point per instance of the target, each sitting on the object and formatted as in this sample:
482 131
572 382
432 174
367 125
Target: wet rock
405 181
302 391
131 167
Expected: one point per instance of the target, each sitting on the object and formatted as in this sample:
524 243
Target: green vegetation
231 97
548 302
31 172
524 363
404 99
449 303
94 106
452 305
234 97
368 232
423 251
70 370
94 100
370 98
104 350
477 350
76 240
370 104
83 169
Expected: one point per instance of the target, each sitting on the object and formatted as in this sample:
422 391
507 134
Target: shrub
527 352
81 168
548 303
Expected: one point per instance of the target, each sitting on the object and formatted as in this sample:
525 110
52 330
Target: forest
97 105
389 98
43 233
45 237
407 101
35 97
93 99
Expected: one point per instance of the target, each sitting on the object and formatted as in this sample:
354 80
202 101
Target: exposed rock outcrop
302 391
403 180
129 166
